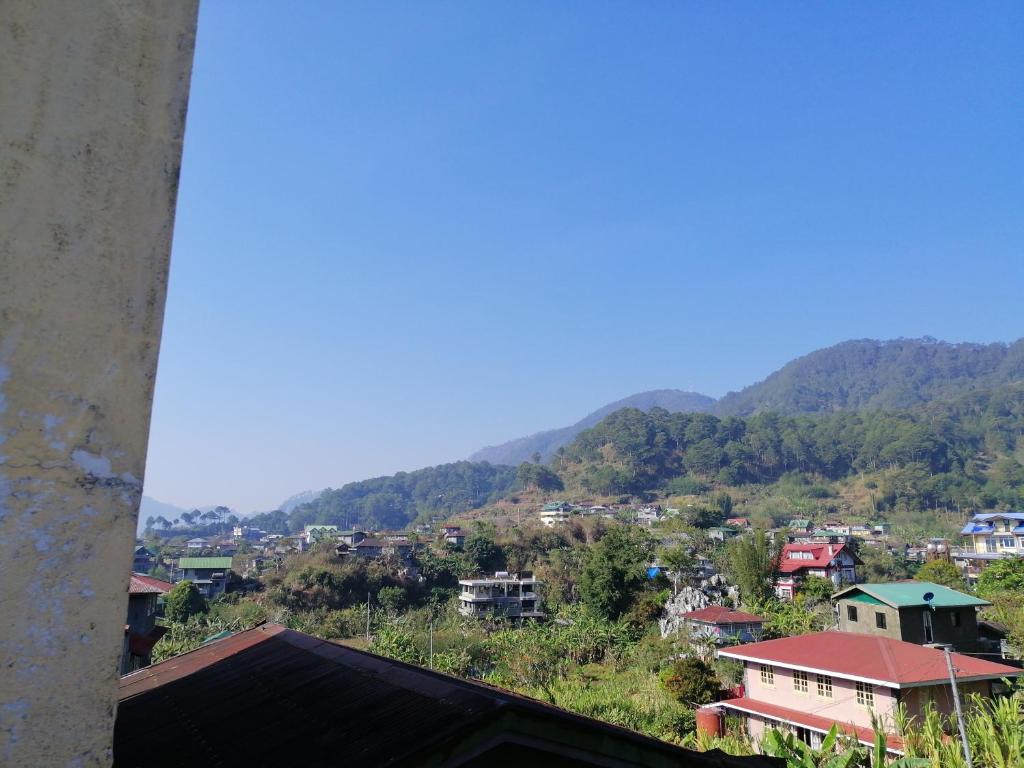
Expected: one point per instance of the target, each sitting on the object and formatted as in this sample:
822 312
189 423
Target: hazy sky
406 230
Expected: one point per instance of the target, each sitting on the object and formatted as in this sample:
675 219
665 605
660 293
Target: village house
834 562
141 632
999 533
900 611
319 532
805 684
742 523
800 525
351 537
197 544
724 626
555 512
648 515
209 574
143 560
506 594
454 535
721 533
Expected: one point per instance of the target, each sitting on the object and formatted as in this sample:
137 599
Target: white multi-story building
505 594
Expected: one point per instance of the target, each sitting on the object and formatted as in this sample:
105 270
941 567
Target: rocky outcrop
711 591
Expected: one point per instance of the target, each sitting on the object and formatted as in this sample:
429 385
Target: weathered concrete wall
92 109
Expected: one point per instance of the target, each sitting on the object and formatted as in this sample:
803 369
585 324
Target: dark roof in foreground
273 696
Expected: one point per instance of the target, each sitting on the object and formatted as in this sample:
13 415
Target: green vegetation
183 602
395 501
879 375
941 572
958 454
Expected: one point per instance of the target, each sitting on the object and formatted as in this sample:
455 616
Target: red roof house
721 624
811 681
140 584
835 562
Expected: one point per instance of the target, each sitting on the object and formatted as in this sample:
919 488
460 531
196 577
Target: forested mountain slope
547 443
882 375
961 452
394 501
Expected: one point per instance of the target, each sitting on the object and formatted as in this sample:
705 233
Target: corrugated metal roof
272 696
910 594
140 584
204 562
719 614
872 658
814 722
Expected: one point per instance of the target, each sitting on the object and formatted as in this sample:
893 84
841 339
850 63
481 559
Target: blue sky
406 230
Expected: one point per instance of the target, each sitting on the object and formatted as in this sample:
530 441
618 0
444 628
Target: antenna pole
956 703
368 621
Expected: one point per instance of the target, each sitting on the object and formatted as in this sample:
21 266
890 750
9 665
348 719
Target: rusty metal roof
273 696
141 584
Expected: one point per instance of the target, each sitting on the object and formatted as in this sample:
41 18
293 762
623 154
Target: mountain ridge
547 442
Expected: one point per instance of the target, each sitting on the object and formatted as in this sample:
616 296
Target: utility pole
431 665
959 711
368 619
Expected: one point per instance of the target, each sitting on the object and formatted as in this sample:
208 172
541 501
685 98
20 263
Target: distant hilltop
855 375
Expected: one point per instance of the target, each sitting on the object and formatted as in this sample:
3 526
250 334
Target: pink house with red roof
835 562
807 683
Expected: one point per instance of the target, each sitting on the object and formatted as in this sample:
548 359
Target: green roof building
914 611
209 574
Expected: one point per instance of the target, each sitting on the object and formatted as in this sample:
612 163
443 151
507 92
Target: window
865 695
990 544
954 617
767 674
851 612
1006 542
879 619
825 686
799 681
929 636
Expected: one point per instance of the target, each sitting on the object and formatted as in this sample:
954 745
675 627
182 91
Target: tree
1002 576
614 571
752 562
538 476
941 572
691 681
485 554
183 602
536 457
816 589
392 599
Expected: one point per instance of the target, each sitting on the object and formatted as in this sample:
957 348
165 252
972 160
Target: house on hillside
835 562
142 560
314 534
900 611
723 625
800 525
197 544
742 523
995 533
555 512
721 533
506 594
455 536
805 684
141 632
209 574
